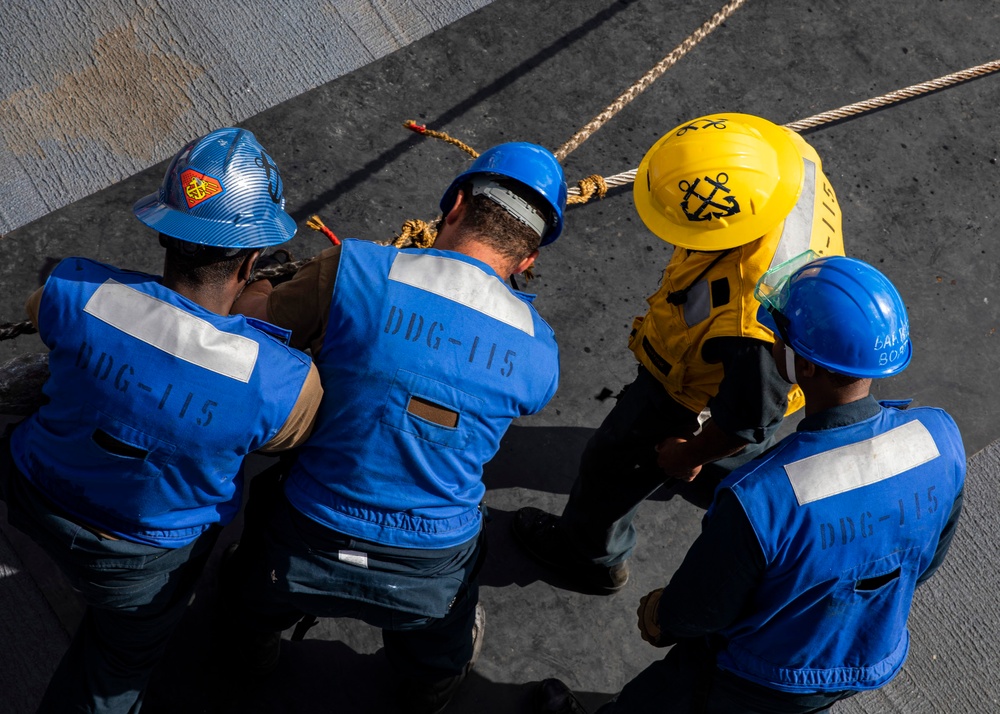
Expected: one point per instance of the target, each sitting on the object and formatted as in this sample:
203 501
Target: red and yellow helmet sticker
199 187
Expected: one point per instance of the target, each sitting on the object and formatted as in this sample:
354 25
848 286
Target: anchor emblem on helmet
198 187
713 205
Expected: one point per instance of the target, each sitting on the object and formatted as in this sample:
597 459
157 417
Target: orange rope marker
424 131
317 224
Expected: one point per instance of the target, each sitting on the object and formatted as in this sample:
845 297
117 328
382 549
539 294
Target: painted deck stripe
173 330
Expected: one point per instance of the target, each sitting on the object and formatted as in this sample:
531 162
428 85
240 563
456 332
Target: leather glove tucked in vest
648 620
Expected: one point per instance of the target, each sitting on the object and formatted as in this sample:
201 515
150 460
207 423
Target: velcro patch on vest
720 292
173 330
465 284
861 464
353 557
432 412
698 306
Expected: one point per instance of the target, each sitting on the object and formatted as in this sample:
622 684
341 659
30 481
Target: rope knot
588 187
415 234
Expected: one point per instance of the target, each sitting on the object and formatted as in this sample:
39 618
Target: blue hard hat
532 165
220 190
842 314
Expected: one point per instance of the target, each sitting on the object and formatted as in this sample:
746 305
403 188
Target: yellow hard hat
718 181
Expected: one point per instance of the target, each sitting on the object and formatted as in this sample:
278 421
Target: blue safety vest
154 403
848 519
427 357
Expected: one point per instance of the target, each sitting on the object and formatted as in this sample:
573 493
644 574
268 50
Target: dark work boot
417 697
542 535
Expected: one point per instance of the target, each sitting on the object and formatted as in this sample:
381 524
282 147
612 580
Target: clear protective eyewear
773 288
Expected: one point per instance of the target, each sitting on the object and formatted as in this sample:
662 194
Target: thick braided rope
647 79
278 270
15 329
898 95
596 185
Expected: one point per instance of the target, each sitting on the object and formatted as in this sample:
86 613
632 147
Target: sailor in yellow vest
736 195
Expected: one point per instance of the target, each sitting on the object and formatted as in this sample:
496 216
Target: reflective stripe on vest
154 403
847 519
861 464
173 330
424 372
465 284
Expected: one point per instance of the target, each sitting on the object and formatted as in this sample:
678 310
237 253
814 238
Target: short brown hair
499 229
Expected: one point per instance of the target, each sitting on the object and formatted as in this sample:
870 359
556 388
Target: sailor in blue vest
127 475
426 355
797 593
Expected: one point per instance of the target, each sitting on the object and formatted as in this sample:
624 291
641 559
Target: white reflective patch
862 464
796 235
465 284
353 557
173 330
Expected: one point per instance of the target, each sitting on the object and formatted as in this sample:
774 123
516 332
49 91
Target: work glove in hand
649 625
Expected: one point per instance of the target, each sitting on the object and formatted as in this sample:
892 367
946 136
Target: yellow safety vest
668 340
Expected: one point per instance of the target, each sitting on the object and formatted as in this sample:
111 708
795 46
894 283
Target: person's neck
466 244
217 299
821 398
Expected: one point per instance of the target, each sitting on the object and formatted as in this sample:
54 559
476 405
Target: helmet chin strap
790 365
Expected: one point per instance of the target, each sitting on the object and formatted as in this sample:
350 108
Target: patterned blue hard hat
844 315
532 165
221 190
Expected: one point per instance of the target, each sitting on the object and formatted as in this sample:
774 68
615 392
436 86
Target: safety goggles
772 291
